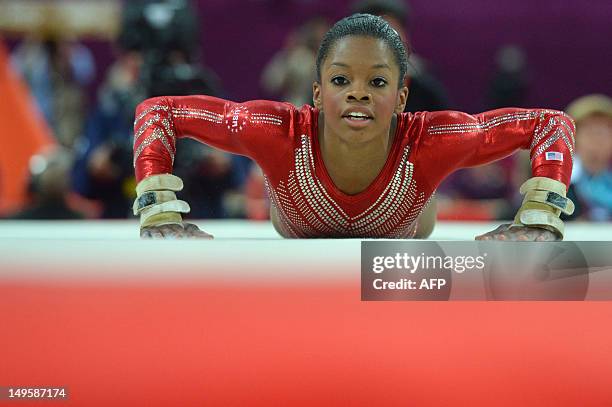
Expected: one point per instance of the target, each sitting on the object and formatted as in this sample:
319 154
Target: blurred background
72 73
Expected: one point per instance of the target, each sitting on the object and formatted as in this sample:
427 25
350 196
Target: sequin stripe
408 206
384 193
156 135
566 140
313 196
389 194
540 123
305 221
149 110
417 207
407 229
300 203
317 209
554 120
461 129
390 224
493 120
308 146
265 122
547 143
144 127
330 204
466 127
381 215
197 112
398 216
268 115
273 198
199 117
558 113
275 119
388 207
169 133
569 130
286 202
539 135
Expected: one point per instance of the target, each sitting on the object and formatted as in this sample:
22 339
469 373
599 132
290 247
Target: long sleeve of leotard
451 140
252 128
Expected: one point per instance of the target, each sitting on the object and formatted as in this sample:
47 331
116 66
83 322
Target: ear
402 97
316 96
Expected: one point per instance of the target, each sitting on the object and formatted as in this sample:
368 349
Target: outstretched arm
251 129
464 140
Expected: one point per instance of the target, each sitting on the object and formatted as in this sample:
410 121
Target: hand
174 231
519 233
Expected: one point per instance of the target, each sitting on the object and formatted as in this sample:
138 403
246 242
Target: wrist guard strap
175 206
156 201
161 182
544 202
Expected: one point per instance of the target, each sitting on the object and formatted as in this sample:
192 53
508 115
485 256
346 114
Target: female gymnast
353 165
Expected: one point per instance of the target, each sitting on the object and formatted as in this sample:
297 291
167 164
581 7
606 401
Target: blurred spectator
159 40
591 187
209 180
103 169
49 187
426 92
489 192
291 71
57 72
510 84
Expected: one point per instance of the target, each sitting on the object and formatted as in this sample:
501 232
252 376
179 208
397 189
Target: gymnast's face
359 93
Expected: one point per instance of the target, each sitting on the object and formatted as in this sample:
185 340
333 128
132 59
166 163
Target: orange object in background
23 132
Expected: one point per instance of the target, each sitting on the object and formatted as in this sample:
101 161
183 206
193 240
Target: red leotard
283 140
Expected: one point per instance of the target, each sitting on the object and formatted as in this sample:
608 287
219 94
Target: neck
353 167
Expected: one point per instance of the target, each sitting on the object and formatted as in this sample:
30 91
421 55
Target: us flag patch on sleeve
554 156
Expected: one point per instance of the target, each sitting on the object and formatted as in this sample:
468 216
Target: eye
378 82
339 80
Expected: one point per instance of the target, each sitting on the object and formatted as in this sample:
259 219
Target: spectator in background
158 42
426 92
103 168
510 83
290 73
489 192
591 184
49 187
57 72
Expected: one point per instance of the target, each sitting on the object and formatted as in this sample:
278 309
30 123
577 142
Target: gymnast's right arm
249 129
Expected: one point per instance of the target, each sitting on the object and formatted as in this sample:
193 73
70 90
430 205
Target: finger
491 235
174 231
156 233
546 236
194 231
531 234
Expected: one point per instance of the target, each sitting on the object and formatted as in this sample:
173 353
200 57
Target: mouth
357 119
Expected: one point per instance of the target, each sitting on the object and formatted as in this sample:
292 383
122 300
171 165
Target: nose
358 95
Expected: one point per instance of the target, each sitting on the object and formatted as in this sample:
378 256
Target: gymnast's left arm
472 140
